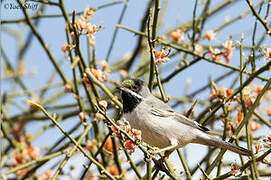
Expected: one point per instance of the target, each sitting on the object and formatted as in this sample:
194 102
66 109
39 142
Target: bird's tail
213 141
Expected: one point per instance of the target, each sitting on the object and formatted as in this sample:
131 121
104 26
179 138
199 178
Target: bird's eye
135 88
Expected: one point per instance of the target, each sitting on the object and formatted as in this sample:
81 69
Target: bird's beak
121 88
126 90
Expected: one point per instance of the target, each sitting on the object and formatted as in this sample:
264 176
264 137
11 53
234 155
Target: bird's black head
133 91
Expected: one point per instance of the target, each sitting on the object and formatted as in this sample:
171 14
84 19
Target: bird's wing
159 108
169 112
182 119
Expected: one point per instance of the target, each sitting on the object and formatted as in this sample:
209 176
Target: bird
161 126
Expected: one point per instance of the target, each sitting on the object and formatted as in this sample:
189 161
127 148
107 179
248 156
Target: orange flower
229 48
227 58
114 170
19 159
238 118
45 176
177 35
92 145
21 173
248 102
104 64
254 125
88 12
222 92
130 146
81 22
268 112
99 74
109 144
162 56
32 152
258 147
115 130
91 177
229 92
234 167
136 132
267 53
91 29
213 95
210 35
215 54
198 48
49 173
64 47
85 80
258 89
249 96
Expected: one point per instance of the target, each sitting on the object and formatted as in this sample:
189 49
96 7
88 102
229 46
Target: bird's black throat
129 101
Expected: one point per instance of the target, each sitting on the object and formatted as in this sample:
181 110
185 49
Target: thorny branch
84 96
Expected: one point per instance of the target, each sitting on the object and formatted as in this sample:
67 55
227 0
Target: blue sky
52 31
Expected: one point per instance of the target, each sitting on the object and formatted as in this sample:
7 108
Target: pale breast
152 133
160 131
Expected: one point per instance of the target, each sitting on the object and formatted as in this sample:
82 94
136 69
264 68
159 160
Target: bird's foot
159 164
167 153
154 151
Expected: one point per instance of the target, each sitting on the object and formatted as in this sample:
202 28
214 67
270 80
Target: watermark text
26 5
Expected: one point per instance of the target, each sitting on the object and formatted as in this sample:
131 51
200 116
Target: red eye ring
136 88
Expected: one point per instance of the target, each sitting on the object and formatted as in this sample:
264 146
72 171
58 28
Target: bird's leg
160 163
169 150
167 153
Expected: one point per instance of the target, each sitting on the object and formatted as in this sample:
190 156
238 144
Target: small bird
160 125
